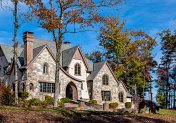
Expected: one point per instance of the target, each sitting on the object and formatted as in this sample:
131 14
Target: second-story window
105 80
45 68
77 69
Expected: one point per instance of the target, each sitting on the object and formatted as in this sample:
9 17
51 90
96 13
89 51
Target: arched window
77 69
45 68
121 97
105 80
31 87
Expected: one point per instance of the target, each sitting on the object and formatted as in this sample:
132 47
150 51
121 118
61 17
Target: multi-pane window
106 95
45 68
105 80
120 97
31 87
47 87
77 69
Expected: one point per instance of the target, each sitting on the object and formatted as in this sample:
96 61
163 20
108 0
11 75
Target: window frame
31 87
105 79
104 95
77 69
46 87
45 68
121 97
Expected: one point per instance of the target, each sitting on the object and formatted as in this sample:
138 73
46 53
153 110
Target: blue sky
150 16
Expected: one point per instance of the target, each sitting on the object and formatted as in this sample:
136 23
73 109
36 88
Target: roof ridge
40 46
44 40
10 46
70 48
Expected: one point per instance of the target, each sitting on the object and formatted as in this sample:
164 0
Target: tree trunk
57 81
15 51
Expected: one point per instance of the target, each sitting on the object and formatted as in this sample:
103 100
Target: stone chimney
66 45
28 39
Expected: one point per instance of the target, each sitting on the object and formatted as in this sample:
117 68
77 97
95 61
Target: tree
15 48
15 45
57 15
96 56
129 54
166 70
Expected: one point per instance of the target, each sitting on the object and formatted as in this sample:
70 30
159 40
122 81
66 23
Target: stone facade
38 72
35 75
114 87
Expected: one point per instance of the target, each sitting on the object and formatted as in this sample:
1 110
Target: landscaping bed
17 114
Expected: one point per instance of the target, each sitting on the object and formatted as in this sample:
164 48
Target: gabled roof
67 52
37 51
96 68
67 56
8 52
90 64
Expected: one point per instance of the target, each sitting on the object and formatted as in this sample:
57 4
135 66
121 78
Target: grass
167 112
72 113
164 112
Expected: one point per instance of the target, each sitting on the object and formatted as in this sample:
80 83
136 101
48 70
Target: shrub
128 104
93 101
24 95
44 104
35 102
113 105
62 101
6 95
49 100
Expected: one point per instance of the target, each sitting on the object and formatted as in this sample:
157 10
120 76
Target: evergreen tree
166 70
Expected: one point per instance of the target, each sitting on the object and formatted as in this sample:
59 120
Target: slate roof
90 64
37 50
67 56
8 52
96 68
38 44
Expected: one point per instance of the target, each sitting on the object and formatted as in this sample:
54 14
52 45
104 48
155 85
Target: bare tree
15 48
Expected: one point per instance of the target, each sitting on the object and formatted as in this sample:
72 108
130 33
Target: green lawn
167 112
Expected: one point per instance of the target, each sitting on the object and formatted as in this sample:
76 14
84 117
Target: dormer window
45 68
77 69
105 80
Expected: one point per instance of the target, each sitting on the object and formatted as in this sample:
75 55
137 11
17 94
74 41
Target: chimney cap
66 42
27 32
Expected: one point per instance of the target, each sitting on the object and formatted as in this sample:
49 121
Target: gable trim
39 54
81 56
99 70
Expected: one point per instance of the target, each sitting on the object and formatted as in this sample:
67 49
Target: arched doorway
71 91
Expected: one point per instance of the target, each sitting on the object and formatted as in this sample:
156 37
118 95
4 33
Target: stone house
80 79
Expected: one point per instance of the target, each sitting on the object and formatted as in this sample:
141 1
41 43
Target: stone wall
78 59
114 86
35 75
